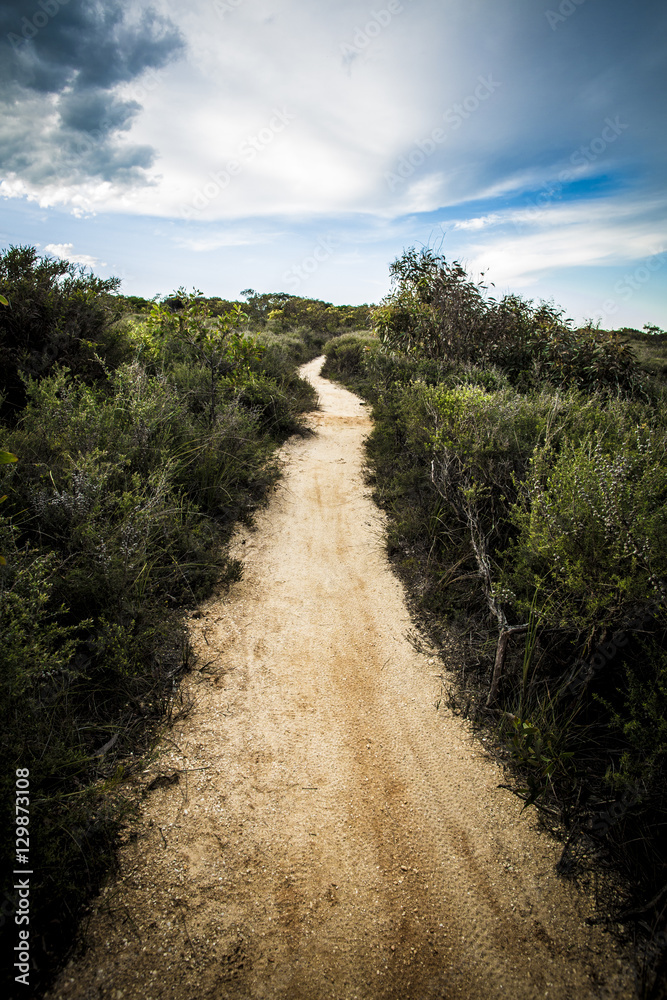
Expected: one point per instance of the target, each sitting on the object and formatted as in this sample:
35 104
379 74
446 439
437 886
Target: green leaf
6 458
4 301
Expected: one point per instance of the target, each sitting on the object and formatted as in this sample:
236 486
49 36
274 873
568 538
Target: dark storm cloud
96 111
60 63
80 42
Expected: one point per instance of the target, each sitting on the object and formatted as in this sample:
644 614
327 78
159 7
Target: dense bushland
143 430
280 311
524 467
436 311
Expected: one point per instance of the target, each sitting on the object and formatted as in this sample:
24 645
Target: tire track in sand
332 836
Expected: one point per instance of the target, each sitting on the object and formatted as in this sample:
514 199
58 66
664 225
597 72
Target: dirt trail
331 835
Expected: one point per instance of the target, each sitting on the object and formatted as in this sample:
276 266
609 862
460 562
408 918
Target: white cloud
65 251
207 242
480 222
526 244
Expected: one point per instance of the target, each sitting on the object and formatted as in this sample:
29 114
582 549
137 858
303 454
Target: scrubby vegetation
135 433
523 464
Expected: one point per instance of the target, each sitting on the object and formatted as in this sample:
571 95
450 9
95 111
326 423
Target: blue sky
299 145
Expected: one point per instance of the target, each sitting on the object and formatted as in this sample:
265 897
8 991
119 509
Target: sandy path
331 834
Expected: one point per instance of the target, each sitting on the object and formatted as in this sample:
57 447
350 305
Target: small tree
216 342
433 309
56 313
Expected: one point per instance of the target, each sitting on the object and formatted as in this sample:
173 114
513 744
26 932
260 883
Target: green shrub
316 320
436 310
592 529
640 716
35 643
282 351
346 354
57 314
